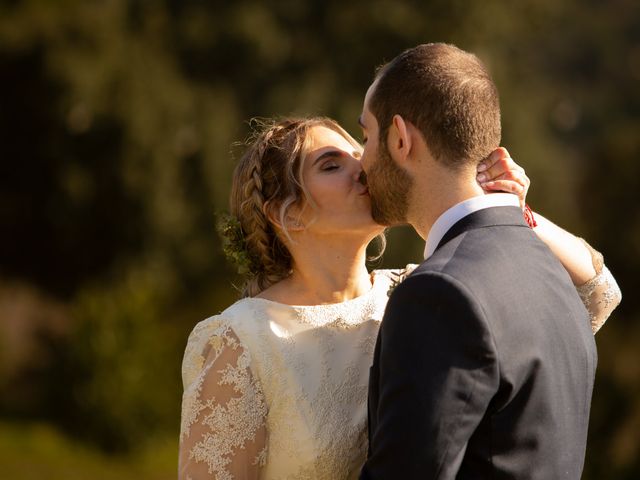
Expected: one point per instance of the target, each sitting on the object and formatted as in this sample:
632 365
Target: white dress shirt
461 210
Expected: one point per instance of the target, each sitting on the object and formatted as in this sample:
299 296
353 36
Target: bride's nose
355 167
357 173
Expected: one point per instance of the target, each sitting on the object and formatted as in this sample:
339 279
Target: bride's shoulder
231 328
247 316
238 313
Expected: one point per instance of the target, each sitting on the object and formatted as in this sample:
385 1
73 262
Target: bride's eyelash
331 165
330 161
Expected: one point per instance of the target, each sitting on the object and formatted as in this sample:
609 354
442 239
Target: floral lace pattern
601 295
223 429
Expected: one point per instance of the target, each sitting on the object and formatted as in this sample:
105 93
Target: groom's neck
437 191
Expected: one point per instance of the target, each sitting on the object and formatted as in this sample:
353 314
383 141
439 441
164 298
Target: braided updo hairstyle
268 179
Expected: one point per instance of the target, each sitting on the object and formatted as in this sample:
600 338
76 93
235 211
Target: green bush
122 361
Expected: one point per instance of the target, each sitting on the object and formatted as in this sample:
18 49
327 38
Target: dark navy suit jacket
485 362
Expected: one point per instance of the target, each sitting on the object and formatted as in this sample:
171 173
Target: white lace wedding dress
273 391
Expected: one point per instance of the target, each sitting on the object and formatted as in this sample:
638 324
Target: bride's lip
365 192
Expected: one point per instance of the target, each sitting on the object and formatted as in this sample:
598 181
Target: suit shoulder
425 283
435 303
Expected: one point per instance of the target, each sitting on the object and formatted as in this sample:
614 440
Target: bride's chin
375 229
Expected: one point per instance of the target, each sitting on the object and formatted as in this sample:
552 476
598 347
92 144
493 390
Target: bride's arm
595 284
572 252
593 280
223 429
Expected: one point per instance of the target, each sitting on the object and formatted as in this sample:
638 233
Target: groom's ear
399 140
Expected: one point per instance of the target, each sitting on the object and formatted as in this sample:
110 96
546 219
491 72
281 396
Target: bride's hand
499 173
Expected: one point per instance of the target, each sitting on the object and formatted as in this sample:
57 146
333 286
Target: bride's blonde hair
266 182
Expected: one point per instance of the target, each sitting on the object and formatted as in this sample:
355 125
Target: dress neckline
367 306
375 286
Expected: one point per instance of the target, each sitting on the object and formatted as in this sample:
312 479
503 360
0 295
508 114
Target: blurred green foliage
117 120
116 351
39 451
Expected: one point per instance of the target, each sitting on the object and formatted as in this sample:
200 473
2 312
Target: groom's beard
389 188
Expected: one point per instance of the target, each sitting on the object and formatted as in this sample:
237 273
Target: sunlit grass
37 451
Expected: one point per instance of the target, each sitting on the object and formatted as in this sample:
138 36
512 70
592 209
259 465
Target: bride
275 386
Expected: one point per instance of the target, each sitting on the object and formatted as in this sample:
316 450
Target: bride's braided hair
267 181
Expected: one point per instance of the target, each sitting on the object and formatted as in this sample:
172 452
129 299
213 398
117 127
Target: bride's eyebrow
360 122
328 154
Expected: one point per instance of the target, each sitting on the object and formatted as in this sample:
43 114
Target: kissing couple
477 363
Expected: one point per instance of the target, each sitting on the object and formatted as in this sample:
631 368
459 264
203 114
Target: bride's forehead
321 136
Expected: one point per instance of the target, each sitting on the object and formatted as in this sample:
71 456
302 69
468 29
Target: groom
485 361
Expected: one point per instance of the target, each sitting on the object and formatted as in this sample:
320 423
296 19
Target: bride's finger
519 187
502 165
493 157
516 175
519 176
508 186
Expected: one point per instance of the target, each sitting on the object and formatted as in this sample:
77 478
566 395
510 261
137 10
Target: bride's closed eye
330 165
329 160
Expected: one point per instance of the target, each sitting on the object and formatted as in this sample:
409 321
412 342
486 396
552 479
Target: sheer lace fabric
601 295
223 429
274 391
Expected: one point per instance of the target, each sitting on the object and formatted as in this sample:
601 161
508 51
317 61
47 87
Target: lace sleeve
223 431
601 295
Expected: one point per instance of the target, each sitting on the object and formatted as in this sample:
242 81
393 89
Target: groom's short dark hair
447 94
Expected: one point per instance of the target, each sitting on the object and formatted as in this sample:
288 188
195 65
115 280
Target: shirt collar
461 210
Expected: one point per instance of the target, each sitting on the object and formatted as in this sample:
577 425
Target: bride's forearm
570 250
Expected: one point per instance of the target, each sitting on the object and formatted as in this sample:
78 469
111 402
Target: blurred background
117 120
